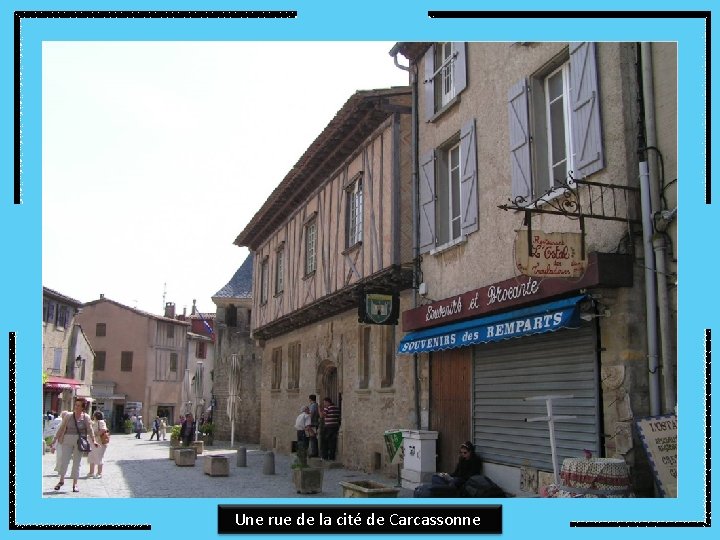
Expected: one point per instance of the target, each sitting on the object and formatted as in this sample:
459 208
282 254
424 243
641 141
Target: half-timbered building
335 231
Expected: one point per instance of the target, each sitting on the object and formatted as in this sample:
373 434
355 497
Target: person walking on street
163 427
75 425
96 455
331 425
313 428
302 422
155 429
187 430
139 427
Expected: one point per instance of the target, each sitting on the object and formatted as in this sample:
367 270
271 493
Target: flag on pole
207 325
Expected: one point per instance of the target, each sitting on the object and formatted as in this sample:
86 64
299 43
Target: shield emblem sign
378 307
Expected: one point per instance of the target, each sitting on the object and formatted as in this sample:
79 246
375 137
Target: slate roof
240 285
62 297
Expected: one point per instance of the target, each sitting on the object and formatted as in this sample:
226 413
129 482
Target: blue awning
517 323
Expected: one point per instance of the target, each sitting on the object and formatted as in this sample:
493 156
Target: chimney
170 310
102 296
194 310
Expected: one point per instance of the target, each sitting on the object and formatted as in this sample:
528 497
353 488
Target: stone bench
185 457
216 466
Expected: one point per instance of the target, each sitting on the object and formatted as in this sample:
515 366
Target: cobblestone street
142 468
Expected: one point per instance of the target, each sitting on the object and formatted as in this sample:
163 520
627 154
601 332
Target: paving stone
140 468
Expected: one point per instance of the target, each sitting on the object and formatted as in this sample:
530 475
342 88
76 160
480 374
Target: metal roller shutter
505 373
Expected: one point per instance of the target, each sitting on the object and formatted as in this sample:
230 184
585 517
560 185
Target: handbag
104 433
83 444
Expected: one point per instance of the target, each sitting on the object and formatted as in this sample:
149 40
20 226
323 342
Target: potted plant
175 436
207 430
306 479
128 425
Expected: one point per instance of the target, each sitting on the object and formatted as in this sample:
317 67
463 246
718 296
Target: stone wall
366 413
236 340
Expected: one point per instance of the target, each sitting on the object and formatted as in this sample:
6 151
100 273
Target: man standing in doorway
331 425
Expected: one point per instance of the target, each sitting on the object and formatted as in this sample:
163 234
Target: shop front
506 354
58 393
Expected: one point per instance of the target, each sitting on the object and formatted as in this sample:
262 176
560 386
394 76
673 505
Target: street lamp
79 361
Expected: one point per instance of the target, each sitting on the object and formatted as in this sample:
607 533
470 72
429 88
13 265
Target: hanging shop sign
659 437
552 254
379 307
603 270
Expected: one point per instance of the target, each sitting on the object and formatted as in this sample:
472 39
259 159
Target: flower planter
308 480
367 488
207 438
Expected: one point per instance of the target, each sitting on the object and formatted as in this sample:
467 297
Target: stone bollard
269 463
241 457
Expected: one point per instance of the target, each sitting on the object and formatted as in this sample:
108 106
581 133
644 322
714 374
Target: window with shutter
293 366
426 192
280 270
445 76
276 374
555 132
99 364
455 204
126 361
468 178
310 246
264 276
354 212
363 376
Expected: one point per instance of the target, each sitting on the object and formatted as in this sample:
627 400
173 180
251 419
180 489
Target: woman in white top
73 426
95 457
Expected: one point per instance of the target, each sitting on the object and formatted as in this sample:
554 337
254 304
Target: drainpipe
657 239
650 292
659 245
416 232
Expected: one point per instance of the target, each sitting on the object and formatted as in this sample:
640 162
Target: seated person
469 464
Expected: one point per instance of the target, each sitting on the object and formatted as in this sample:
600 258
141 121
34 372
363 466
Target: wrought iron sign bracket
580 200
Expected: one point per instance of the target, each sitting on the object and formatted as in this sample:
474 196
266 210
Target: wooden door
450 403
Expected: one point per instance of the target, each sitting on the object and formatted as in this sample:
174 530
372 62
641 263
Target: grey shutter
426 193
429 83
556 363
519 131
468 178
585 110
460 74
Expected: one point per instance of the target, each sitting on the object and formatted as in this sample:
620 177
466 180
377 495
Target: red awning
62 383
